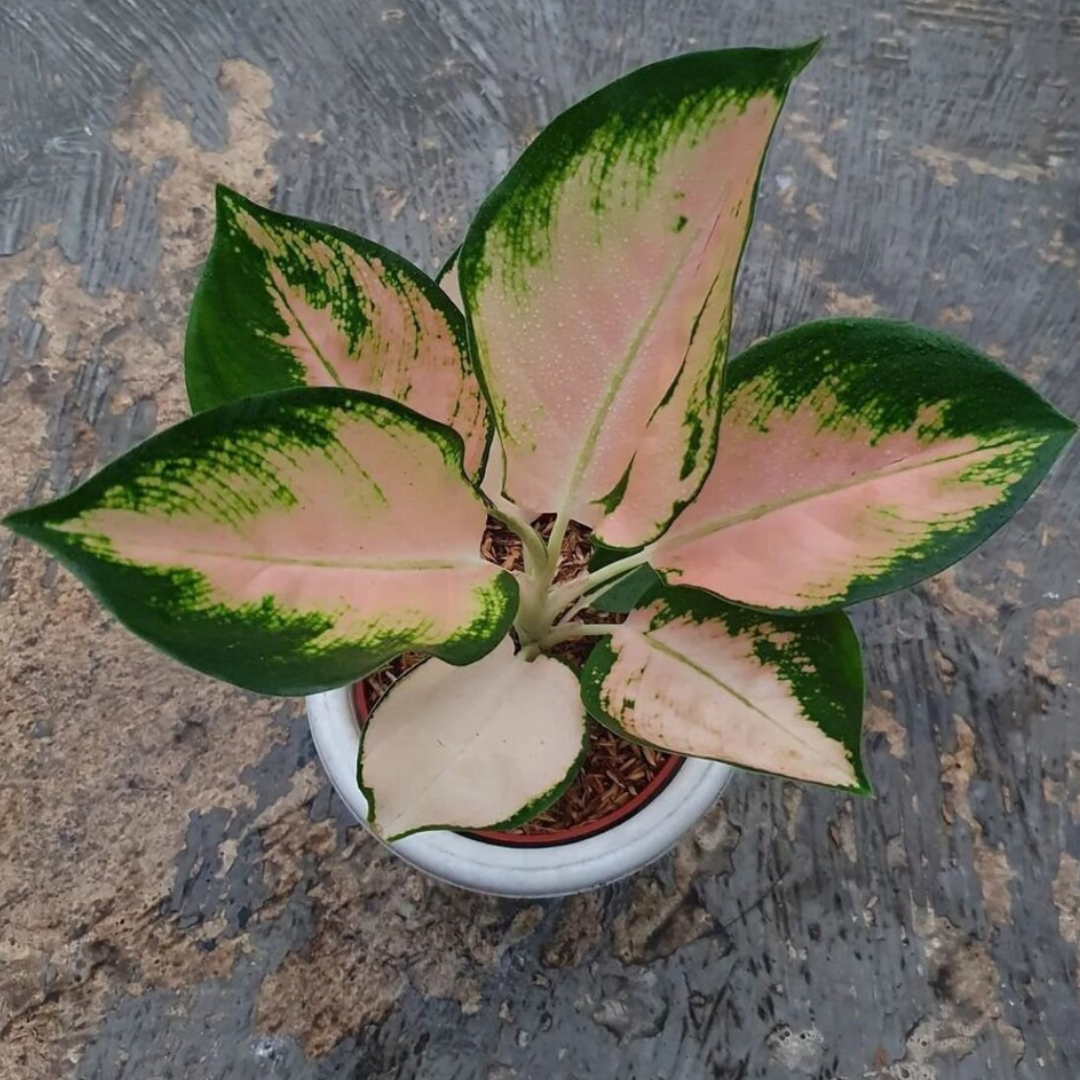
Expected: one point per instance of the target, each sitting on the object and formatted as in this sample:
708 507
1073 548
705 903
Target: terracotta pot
576 860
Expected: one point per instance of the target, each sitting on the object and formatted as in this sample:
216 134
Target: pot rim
519 870
594 827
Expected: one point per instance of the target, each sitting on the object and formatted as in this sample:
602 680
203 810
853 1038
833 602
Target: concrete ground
180 893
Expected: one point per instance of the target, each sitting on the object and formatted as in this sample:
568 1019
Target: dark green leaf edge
1003 404
834 651
446 267
224 360
209 641
747 72
628 591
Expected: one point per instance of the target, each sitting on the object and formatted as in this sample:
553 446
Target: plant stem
555 541
573 631
531 621
572 590
540 602
535 553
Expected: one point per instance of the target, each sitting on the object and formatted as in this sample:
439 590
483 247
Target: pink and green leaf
284 302
288 543
692 674
856 458
482 747
597 280
491 483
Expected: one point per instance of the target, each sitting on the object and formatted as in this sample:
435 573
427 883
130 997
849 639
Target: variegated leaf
288 543
491 484
692 674
286 302
487 746
597 280
857 457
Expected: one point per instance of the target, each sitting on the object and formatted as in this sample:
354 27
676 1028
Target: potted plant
545 480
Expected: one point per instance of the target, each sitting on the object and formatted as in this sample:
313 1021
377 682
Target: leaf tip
863 790
801 55
1065 425
20 522
227 201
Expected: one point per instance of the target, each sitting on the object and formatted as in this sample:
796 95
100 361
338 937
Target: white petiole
570 591
546 611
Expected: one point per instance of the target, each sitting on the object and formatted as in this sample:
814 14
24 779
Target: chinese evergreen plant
323 510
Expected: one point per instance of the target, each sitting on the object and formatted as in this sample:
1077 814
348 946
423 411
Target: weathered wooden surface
180 894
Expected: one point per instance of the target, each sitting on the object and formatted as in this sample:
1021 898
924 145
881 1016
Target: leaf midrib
587 452
682 658
279 560
330 369
764 509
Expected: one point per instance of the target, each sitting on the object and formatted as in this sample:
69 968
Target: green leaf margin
987 400
629 590
210 641
228 351
537 174
833 693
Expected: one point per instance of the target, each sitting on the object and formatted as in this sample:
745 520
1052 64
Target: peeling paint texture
181 895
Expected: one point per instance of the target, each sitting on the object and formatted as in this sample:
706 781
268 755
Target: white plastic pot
535 871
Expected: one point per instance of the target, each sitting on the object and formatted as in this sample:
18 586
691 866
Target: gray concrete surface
180 894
